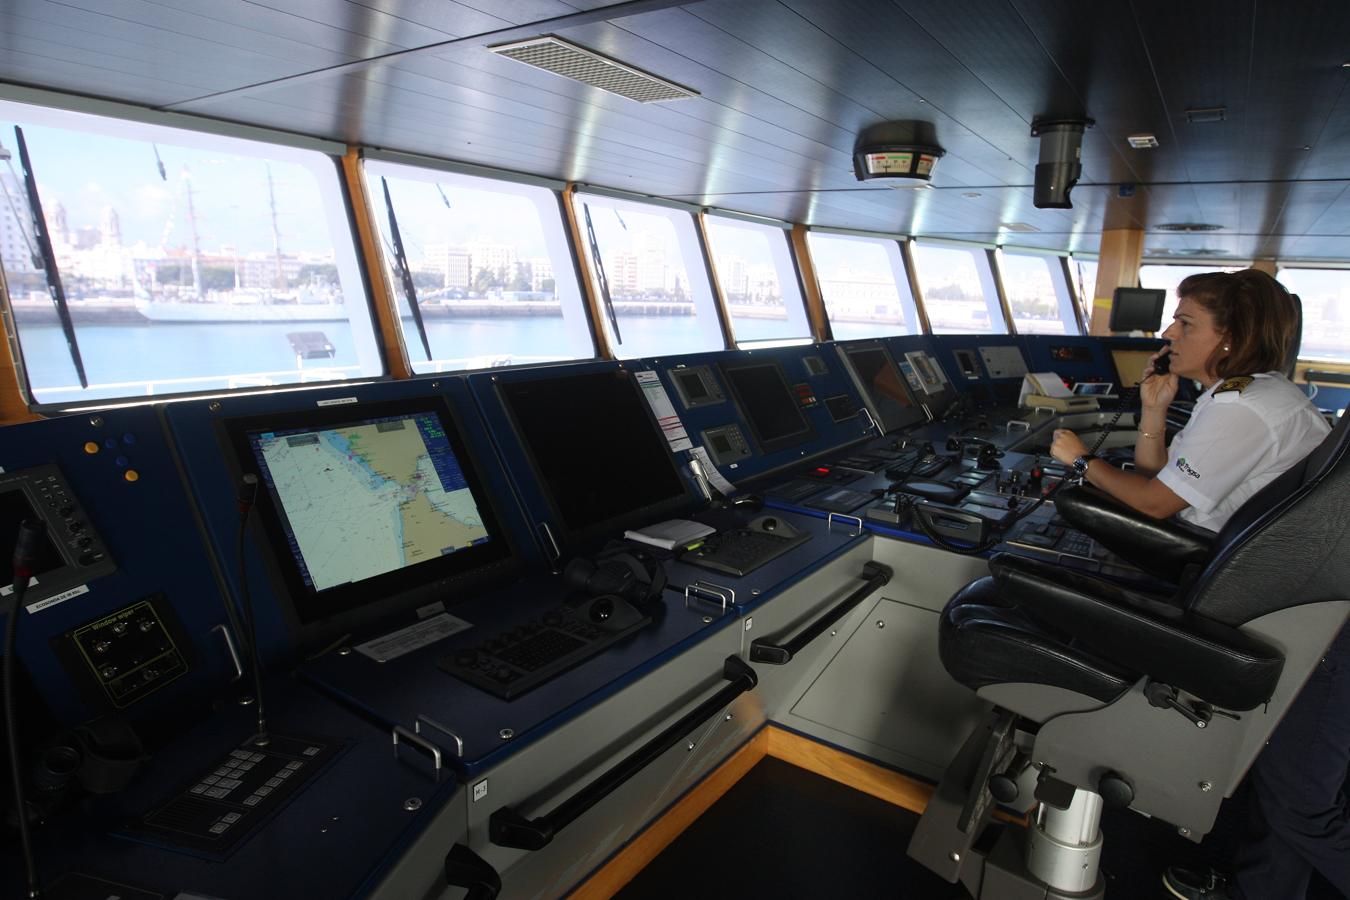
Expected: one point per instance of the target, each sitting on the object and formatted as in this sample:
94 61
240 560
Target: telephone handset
1163 364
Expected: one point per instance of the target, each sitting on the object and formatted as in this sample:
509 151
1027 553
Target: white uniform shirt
1239 440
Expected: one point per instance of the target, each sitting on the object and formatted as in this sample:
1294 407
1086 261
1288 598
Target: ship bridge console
473 634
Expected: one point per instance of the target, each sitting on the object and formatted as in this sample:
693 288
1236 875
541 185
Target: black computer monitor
597 450
883 389
1137 309
768 405
369 508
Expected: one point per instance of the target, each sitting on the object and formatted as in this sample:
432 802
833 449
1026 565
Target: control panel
726 444
119 658
72 554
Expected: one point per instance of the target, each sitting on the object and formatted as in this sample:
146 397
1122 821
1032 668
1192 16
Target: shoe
1188 884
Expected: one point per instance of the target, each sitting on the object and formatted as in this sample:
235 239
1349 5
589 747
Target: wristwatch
1080 465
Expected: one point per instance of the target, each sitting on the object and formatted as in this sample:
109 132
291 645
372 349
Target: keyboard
244 787
519 660
911 466
741 551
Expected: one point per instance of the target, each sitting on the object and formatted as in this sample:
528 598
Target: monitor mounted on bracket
597 451
369 510
768 404
883 388
1137 309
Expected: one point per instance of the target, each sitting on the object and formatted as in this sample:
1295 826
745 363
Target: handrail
765 651
508 828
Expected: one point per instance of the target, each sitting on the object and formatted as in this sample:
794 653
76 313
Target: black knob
1116 791
1003 787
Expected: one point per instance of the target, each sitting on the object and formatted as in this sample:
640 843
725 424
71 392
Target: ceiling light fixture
1142 141
1187 227
553 54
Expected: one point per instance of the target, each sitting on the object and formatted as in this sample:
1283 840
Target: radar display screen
600 456
876 375
768 405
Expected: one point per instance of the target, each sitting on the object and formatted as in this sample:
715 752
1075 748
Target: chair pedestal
1064 846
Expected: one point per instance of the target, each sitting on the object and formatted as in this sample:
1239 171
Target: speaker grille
579 64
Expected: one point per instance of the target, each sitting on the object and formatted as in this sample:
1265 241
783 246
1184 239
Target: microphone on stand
245 498
27 546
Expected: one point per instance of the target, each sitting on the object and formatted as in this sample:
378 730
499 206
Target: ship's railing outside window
655 299
957 289
188 261
863 284
1038 294
754 266
1168 277
489 265
1325 294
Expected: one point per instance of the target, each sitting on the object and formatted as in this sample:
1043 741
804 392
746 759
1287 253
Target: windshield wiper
600 274
404 274
44 241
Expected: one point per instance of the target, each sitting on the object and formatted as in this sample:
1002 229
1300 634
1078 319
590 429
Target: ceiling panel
786 87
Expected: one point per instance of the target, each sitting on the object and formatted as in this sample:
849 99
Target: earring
1225 348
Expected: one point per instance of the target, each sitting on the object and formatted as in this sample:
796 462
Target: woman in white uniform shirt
1230 333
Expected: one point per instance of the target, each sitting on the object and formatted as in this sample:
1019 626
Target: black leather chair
1159 700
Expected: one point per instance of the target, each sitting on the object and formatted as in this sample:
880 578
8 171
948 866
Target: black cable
30 532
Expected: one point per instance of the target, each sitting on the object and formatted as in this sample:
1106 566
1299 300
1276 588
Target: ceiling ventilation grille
579 64
1188 227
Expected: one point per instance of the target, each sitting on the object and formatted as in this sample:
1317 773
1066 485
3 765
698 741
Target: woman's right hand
1157 391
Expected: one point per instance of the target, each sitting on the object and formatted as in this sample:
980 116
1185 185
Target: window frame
984 270
1297 265
412 353
54 110
782 256
1059 282
694 254
894 247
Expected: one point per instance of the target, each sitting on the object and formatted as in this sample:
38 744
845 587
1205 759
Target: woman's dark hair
1253 312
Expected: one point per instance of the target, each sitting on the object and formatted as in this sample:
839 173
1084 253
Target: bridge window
1168 277
1083 282
488 264
1037 292
1325 294
188 261
862 281
958 289
648 270
758 279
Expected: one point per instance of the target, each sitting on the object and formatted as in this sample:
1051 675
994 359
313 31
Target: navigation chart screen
369 510
370 497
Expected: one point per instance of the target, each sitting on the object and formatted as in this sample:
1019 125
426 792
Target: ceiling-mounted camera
1060 163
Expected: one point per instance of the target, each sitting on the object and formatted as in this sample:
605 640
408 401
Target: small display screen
693 385
880 380
14 508
768 405
1137 309
1130 364
599 454
367 505
1093 388
721 444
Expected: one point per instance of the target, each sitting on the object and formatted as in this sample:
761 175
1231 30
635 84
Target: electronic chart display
366 503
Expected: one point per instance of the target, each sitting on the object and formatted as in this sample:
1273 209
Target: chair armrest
1142 633
1165 548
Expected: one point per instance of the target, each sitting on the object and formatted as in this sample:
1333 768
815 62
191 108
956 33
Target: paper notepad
671 533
